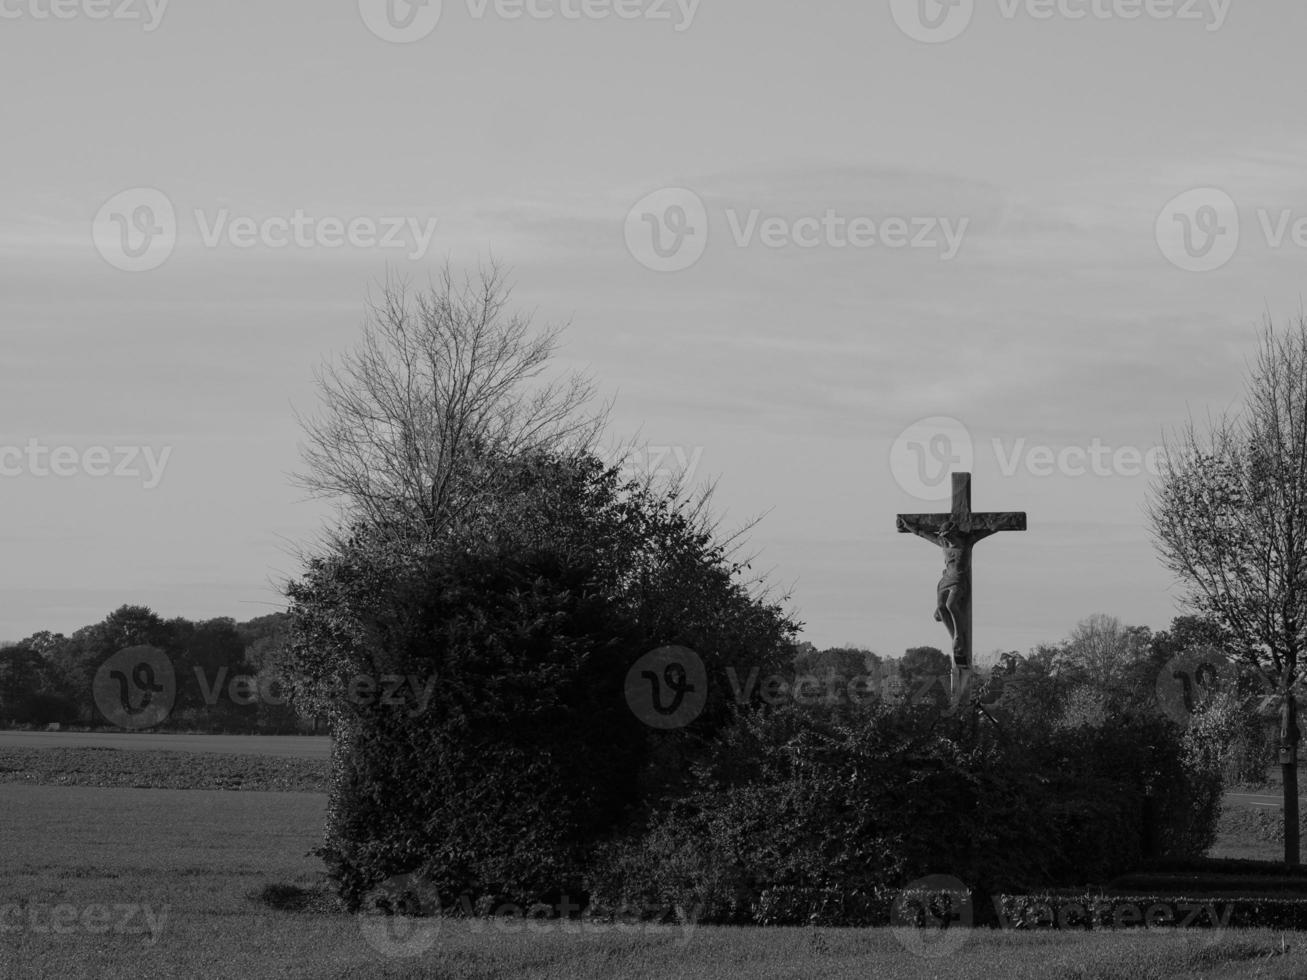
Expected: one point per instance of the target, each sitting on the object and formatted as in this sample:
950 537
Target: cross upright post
956 533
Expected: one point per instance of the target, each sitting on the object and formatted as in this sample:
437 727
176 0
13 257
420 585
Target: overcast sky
785 236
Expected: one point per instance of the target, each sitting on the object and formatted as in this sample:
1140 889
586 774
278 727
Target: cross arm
975 526
923 525
1012 520
982 526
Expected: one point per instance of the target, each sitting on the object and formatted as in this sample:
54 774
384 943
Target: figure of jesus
953 593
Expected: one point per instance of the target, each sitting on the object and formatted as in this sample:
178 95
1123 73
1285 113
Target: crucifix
957 533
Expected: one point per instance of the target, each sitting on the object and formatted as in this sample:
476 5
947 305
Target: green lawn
195 860
1243 833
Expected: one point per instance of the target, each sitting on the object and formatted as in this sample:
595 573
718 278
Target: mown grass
228 877
1249 833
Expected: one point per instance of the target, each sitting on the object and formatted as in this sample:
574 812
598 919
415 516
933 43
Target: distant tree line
227 675
1101 670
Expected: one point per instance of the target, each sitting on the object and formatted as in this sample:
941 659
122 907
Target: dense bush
520 624
524 752
1173 773
796 817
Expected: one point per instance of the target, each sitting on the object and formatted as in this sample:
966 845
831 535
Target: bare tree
440 381
1229 517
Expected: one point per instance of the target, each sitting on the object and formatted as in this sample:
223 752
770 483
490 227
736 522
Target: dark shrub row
795 818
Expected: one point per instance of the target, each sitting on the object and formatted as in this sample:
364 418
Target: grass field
294 746
105 881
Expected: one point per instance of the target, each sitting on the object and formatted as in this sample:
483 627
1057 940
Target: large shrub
514 748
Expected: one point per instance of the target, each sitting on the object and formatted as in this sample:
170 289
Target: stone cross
957 533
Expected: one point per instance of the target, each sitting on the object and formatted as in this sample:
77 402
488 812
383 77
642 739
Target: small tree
1106 663
1103 649
1229 516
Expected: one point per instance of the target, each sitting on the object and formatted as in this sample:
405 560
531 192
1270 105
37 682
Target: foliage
47 678
1110 658
925 676
792 811
1026 692
522 625
847 662
32 689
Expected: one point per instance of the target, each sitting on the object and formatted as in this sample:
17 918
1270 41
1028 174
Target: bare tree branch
439 381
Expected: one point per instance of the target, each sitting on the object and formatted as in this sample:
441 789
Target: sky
821 254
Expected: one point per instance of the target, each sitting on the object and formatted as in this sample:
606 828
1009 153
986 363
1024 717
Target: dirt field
297 746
